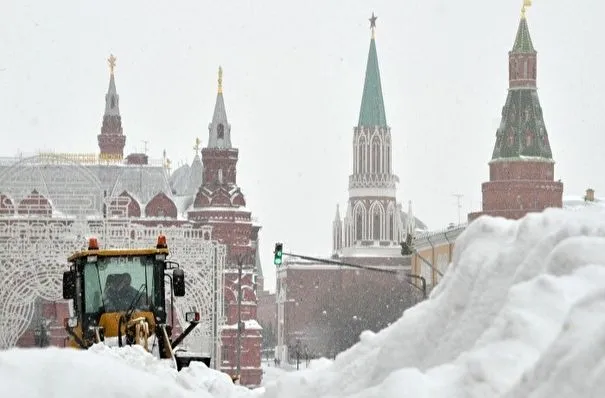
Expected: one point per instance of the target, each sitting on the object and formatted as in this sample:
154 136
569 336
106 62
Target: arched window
220 131
362 166
376 168
113 102
377 224
359 225
387 166
390 226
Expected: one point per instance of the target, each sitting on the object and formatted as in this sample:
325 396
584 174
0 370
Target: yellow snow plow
119 298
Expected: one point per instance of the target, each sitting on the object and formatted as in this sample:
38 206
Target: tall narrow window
363 156
358 226
220 131
390 226
388 160
376 221
528 138
525 69
376 156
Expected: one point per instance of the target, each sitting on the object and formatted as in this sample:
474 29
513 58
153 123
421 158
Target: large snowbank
107 372
520 313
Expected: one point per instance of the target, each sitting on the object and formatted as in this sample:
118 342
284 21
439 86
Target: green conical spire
523 44
372 105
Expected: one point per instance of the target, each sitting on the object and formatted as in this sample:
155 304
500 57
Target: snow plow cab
119 298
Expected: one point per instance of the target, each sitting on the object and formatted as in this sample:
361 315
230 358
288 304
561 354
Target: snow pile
107 372
520 313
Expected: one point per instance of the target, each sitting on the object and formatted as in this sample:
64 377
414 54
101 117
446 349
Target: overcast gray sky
293 77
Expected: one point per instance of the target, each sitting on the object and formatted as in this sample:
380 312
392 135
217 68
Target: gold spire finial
197 145
112 63
526 3
220 79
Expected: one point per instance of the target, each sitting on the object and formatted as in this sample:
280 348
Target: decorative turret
337 231
112 139
522 165
411 222
219 129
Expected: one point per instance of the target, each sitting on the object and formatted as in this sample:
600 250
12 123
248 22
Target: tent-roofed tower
112 139
220 203
372 224
522 165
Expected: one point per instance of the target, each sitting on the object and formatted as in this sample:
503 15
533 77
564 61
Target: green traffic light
277 260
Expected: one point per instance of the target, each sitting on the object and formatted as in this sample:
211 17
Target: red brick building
521 172
220 203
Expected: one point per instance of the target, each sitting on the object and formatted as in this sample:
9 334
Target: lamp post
240 261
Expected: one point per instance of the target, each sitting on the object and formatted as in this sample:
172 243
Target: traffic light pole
388 271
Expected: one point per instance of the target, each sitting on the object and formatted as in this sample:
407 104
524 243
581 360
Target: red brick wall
266 309
519 187
35 203
521 170
522 70
307 288
6 205
161 202
519 195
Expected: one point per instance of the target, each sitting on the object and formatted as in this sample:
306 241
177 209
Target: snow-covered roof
187 179
572 202
372 251
79 188
250 324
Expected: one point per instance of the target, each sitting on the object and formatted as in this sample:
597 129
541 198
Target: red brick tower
112 139
220 203
522 167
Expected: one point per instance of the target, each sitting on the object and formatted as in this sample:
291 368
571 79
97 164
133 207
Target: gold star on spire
112 63
373 24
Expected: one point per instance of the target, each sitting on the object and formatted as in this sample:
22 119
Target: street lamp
240 263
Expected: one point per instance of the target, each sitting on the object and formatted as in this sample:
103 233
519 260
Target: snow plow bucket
183 361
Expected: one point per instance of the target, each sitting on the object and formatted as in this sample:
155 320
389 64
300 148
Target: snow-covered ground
520 313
